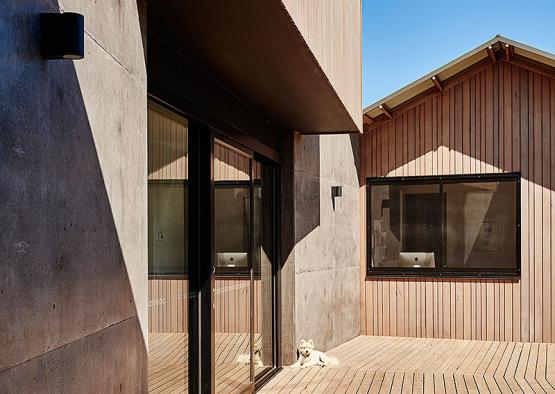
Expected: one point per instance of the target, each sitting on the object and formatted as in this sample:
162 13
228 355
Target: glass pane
263 260
405 225
480 225
232 294
231 231
167 252
167 228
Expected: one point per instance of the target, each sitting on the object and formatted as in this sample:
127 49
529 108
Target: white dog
308 357
246 358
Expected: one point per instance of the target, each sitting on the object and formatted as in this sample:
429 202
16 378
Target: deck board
167 362
372 364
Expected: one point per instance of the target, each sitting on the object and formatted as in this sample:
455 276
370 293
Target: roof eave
449 70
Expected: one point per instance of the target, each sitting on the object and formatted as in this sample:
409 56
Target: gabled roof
497 49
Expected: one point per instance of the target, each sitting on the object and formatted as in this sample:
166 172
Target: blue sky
403 40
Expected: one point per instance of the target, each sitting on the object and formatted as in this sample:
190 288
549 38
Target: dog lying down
308 357
246 358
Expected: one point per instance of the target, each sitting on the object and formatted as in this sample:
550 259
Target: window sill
217 275
168 276
508 276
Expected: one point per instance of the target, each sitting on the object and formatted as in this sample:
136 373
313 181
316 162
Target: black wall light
336 191
62 36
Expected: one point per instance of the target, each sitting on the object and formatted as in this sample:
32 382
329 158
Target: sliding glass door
233 286
244 286
211 259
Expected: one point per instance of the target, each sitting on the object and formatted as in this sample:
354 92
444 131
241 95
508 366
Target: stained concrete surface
73 291
84 366
327 269
321 293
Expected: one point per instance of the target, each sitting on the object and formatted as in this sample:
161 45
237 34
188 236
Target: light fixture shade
336 191
62 35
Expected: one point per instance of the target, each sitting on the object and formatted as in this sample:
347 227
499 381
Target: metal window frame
262 377
442 271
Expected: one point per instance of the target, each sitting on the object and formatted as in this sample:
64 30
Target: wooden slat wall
232 301
500 118
167 144
168 150
231 164
168 305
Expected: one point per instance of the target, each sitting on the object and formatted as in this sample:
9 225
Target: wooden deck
370 364
167 362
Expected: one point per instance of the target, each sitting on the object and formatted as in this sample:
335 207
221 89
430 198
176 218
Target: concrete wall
320 277
73 270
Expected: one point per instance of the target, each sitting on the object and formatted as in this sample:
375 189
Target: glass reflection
480 224
406 226
167 252
232 281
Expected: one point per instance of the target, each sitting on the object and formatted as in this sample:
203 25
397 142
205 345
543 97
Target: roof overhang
497 49
255 51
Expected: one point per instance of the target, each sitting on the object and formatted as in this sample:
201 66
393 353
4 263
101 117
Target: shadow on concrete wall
69 316
355 147
307 185
300 190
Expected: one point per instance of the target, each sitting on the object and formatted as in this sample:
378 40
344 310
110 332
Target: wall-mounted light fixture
62 35
336 191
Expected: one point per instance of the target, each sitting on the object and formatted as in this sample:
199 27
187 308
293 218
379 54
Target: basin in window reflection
417 259
232 259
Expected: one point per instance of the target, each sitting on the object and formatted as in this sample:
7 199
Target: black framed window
453 225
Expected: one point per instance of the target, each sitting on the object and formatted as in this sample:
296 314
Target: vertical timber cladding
498 119
168 159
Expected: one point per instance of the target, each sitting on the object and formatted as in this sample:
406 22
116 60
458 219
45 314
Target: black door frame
265 375
201 245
